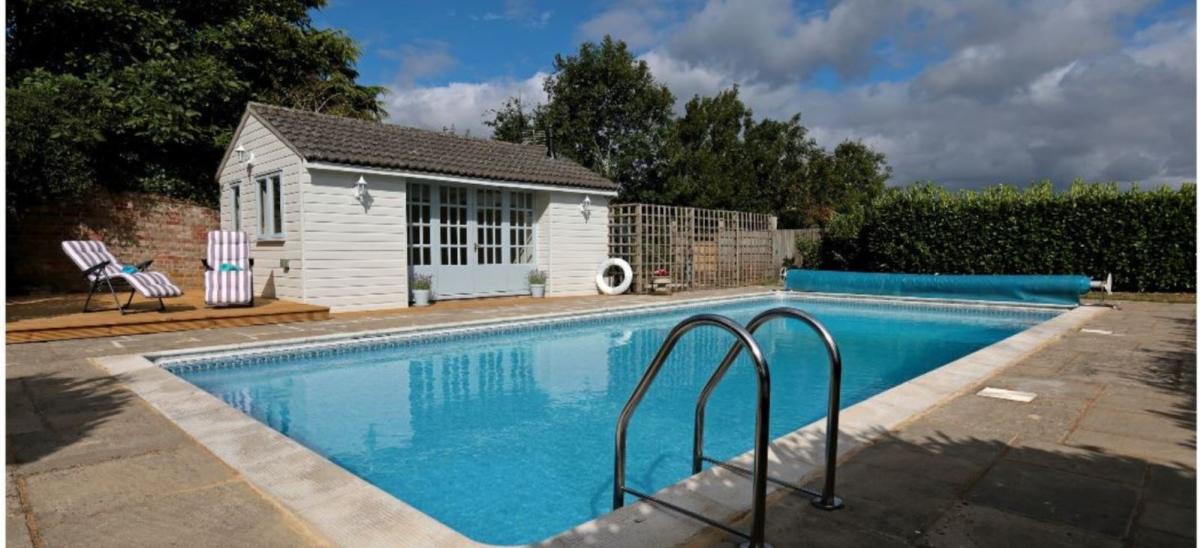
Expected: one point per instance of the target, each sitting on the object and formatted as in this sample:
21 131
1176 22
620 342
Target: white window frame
235 205
266 213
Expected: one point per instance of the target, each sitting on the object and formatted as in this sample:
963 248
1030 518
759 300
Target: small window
270 207
236 208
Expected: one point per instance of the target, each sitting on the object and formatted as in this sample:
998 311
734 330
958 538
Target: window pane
264 212
277 192
237 207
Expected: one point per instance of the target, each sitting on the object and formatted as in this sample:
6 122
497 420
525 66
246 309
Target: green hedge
1146 239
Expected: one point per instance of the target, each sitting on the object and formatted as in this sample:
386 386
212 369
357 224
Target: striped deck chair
101 269
228 287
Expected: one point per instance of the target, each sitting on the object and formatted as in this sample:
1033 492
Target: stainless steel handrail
761 430
825 499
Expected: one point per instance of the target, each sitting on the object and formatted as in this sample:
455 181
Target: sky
964 93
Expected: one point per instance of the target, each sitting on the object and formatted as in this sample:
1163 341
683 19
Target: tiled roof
325 138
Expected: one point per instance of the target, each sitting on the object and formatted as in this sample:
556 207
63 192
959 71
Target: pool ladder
825 499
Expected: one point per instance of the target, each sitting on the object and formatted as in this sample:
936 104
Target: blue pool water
508 437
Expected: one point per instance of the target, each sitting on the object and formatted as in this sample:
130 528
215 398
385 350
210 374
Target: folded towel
129 269
229 267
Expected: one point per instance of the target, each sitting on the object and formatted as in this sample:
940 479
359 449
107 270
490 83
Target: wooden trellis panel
701 248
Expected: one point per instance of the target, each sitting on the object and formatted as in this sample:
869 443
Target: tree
706 160
780 156
853 175
144 95
605 110
514 122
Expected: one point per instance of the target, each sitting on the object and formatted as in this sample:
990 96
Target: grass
1146 297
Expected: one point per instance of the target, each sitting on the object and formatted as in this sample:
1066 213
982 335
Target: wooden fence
783 243
700 248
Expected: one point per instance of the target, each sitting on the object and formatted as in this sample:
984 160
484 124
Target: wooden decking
59 317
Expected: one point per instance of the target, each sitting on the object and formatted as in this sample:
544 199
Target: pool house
344 213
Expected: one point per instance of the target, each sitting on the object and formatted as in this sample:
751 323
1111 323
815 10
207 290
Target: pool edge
350 511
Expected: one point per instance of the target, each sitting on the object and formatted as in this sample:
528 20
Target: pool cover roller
1058 290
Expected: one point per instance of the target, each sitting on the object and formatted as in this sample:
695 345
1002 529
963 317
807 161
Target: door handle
476 246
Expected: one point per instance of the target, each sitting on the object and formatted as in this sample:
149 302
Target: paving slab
1115 468
891 459
793 522
1005 419
1055 496
1152 451
1173 484
1134 424
1176 520
1150 538
975 526
16 533
98 442
183 519
86 490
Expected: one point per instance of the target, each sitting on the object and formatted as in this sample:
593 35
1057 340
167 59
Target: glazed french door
473 241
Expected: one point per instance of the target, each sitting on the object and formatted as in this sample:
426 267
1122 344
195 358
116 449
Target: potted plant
537 283
421 284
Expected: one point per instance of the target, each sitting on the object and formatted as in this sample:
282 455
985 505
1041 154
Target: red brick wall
135 227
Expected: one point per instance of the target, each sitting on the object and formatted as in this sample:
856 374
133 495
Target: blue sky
964 92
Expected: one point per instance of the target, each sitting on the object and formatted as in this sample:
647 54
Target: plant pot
662 280
420 297
537 290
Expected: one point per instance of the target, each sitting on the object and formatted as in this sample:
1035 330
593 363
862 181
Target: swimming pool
506 435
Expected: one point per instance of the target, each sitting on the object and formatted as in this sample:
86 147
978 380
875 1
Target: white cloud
461 105
518 11
768 41
638 22
420 60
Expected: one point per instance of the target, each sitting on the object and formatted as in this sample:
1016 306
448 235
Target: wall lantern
360 190
243 156
585 207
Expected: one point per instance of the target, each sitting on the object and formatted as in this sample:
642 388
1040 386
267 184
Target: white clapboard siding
355 256
271 155
571 246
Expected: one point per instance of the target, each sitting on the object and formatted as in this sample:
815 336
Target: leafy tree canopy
144 95
605 110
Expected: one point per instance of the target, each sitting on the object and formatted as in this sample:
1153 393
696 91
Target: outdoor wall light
360 189
242 156
585 207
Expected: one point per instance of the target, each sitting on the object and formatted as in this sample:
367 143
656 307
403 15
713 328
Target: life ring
623 286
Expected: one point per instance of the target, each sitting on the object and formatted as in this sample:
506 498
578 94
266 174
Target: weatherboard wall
355 254
571 245
271 155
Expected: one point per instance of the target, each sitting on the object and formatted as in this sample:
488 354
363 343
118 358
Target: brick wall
135 227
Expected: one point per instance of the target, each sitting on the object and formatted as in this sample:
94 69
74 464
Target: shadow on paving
938 490
1173 373
59 412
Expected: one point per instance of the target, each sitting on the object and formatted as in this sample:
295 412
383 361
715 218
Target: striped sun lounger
101 269
228 269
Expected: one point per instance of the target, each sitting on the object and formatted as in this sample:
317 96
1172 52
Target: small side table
661 284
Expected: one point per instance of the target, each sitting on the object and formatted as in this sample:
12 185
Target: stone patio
1104 456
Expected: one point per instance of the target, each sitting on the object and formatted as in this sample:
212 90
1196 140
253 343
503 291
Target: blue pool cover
1059 290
